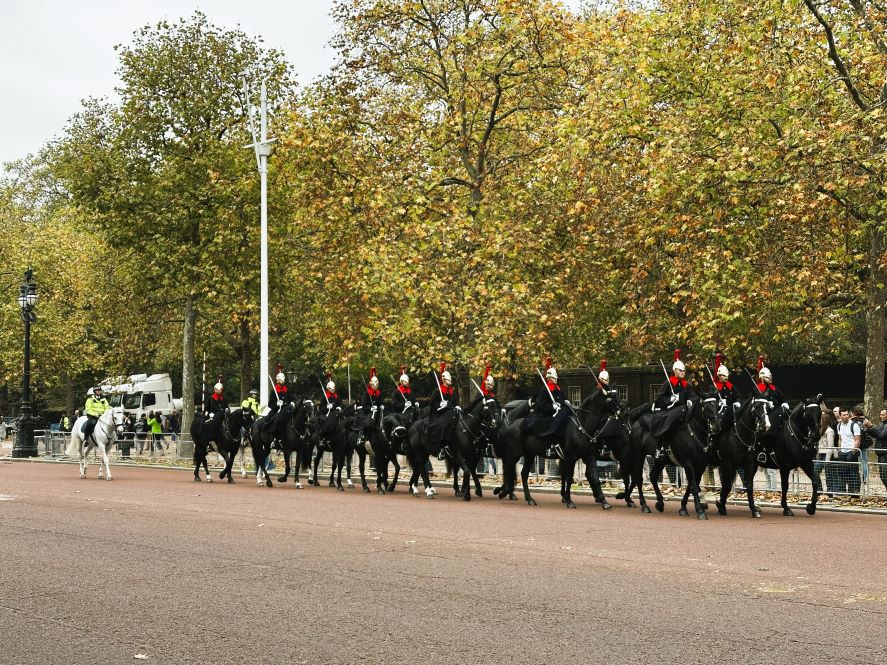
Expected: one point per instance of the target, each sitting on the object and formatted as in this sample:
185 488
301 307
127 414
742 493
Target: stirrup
762 457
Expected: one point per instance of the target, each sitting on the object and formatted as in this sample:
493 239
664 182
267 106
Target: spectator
128 435
849 437
879 434
173 424
857 417
141 429
156 427
64 423
826 455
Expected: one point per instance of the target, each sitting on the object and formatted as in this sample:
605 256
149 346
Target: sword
483 396
708 369
593 374
545 383
667 378
274 390
323 390
437 381
753 382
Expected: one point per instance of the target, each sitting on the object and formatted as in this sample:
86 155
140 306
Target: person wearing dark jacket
330 408
552 411
369 414
726 391
675 400
442 411
879 434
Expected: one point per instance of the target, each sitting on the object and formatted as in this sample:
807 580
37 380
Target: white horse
103 436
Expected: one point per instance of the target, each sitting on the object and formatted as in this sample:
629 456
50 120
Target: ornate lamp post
24 445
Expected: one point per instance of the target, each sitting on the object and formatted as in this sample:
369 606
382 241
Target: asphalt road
153 564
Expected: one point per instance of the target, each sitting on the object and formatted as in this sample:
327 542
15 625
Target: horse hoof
811 508
196 479
645 509
432 490
605 506
298 486
281 479
466 496
629 503
340 488
110 478
757 514
230 480
379 491
429 492
703 505
722 509
332 484
683 512
208 479
531 502
478 493
512 497
620 495
660 506
497 489
457 492
788 512
570 504
701 515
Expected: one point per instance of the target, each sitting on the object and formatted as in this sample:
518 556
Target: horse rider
552 411
333 409
779 411
487 392
442 412
96 406
281 396
250 408
611 395
674 402
404 410
215 402
726 390
369 413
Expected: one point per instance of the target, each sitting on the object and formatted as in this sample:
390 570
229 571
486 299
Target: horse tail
73 449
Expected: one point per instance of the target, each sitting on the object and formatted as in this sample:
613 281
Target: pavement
153 566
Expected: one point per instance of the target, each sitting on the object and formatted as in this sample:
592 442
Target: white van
141 393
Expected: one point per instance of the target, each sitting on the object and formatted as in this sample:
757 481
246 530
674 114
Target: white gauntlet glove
443 405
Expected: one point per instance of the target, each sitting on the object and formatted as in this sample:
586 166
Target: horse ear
819 398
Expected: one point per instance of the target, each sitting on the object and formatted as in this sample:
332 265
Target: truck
140 393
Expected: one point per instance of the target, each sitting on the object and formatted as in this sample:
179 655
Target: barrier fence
864 478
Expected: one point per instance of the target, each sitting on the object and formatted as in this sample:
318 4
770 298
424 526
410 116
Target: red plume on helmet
486 374
329 376
279 369
548 361
719 360
603 365
403 369
677 354
760 363
443 367
372 372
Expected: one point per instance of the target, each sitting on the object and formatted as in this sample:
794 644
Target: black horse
397 429
480 427
335 442
375 441
224 431
575 442
688 448
734 447
793 446
292 434
460 448
261 439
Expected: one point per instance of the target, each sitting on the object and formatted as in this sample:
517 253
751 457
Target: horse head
714 408
811 419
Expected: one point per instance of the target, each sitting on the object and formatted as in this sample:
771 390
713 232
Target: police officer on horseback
250 408
96 406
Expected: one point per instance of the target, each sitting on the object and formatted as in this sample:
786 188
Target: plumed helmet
677 365
218 387
280 378
723 372
374 382
603 376
488 381
445 373
330 386
763 372
551 373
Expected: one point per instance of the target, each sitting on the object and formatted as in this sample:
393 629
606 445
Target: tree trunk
246 361
71 401
876 298
188 364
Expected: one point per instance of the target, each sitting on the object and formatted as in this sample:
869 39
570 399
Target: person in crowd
128 435
857 416
849 438
826 453
155 425
879 434
141 430
64 423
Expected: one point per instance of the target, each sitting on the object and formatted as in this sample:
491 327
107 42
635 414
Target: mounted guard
443 411
552 412
368 415
673 404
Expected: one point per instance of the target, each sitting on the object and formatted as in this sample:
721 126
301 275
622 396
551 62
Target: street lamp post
24 445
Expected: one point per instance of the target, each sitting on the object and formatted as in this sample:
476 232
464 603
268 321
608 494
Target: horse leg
84 462
594 479
396 464
313 480
728 477
751 468
637 478
228 456
242 456
814 478
426 478
348 458
783 476
568 471
466 475
106 461
694 473
361 465
525 478
684 499
625 472
478 490
287 453
655 472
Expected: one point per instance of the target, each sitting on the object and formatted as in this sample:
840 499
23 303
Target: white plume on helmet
218 386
